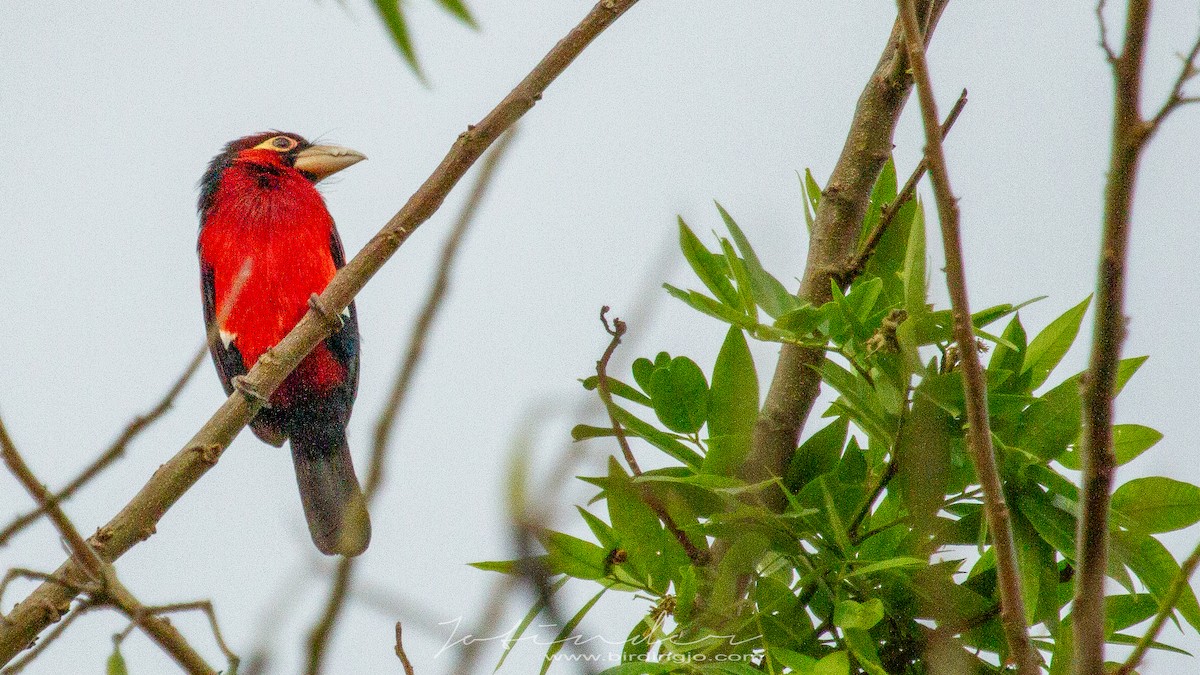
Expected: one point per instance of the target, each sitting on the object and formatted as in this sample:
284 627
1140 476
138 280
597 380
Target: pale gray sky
111 111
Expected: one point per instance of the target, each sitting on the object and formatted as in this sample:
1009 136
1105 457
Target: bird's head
272 155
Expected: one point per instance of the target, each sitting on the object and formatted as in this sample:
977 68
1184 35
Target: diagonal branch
979 433
319 635
136 521
136 426
835 231
1131 132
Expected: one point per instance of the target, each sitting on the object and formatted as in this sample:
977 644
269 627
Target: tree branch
1165 609
858 263
835 230
1131 132
979 433
136 426
136 521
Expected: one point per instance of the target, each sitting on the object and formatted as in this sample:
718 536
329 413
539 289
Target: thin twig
136 521
858 263
1131 132
80 549
160 631
616 330
979 435
408 669
322 630
138 424
28 657
1167 607
699 555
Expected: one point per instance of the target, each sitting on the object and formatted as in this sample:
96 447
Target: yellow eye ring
278 144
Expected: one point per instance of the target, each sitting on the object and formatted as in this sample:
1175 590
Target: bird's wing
344 344
229 363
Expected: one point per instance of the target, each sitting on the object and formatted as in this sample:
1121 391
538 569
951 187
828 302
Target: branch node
209 454
334 321
248 390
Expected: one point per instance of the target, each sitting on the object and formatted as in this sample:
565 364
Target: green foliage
883 534
391 12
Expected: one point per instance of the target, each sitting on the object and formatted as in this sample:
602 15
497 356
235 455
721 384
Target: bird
268 247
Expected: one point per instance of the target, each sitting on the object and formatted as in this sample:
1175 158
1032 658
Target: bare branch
1178 585
166 636
408 669
1175 99
28 657
136 521
616 331
979 434
1131 132
138 424
1104 43
858 263
80 549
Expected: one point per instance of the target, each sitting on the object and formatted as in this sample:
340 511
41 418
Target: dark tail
333 502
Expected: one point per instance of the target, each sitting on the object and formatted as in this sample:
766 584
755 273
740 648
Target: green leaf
913 272
459 11
1129 441
501 566
581 432
812 194
573 556
741 276
537 608
617 388
1157 504
1006 359
836 663
769 293
732 405
851 614
116 663
567 629
1157 568
1050 345
710 267
599 528
393 18
679 394
817 455
1123 611
891 563
706 305
858 396
862 645
659 439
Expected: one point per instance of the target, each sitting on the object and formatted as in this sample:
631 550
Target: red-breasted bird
266 244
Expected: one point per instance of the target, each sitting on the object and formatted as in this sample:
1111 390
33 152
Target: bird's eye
283 143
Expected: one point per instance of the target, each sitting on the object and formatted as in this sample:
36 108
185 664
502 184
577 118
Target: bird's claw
335 321
243 385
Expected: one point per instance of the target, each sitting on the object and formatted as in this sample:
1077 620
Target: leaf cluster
882 551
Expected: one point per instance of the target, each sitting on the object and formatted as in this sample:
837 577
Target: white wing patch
227 338
346 312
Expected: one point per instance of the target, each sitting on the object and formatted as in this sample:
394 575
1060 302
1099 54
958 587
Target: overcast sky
110 112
